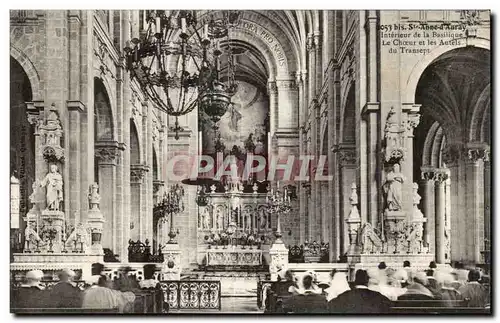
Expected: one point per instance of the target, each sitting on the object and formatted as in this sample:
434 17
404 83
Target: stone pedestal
171 267
53 220
394 231
279 259
95 221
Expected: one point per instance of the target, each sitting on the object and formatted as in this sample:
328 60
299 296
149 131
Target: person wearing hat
65 294
360 299
31 293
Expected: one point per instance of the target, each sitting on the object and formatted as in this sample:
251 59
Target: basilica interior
231 145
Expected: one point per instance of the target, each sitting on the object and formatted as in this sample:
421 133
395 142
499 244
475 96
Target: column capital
438 175
286 84
474 152
412 121
108 152
272 87
347 157
137 173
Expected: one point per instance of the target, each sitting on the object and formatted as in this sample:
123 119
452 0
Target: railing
192 294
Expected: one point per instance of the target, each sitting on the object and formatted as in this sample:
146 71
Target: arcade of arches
310 83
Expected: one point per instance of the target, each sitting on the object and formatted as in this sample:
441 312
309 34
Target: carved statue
94 197
393 189
80 234
220 220
207 221
30 235
263 219
369 240
54 184
415 237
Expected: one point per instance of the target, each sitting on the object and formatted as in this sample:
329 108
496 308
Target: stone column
440 178
107 154
475 200
411 121
149 176
273 106
428 207
35 116
347 177
450 157
75 108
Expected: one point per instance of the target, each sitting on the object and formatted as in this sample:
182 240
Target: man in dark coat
30 294
360 299
65 294
309 301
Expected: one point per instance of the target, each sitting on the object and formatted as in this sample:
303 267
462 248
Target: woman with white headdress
338 285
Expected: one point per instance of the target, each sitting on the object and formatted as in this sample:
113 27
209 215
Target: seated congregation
100 294
382 290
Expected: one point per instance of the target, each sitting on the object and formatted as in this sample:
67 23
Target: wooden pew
436 307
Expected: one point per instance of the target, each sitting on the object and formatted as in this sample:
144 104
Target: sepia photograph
261 162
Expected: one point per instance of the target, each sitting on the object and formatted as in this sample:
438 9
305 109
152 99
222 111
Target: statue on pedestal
53 182
393 189
31 236
94 197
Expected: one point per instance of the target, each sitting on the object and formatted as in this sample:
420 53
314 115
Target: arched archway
451 149
106 154
22 145
135 183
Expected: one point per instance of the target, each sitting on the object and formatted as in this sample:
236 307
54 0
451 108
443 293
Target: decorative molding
75 105
438 175
108 152
272 87
412 122
474 154
137 173
286 84
347 157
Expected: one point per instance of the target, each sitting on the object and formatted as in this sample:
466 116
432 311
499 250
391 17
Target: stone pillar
347 177
35 116
428 207
126 114
411 120
149 176
138 210
475 200
279 258
75 108
450 157
107 154
439 190
273 106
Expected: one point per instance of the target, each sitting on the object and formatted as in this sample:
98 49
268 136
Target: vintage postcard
250 161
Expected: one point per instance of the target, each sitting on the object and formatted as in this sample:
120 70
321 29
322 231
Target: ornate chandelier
173 39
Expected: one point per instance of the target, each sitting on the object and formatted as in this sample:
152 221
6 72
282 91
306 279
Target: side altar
51 242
